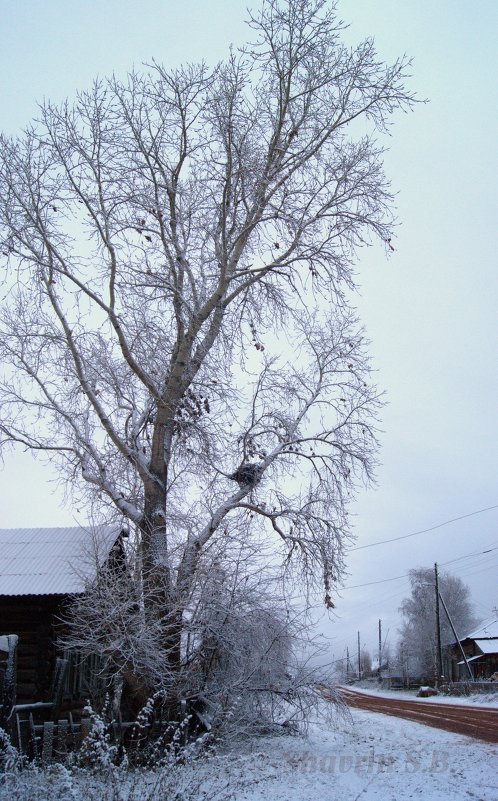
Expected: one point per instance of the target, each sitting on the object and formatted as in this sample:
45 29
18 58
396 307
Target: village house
481 651
40 572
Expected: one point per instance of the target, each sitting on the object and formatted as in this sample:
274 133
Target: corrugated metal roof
489 646
46 561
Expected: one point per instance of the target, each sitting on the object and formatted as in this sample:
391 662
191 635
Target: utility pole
380 644
403 663
439 650
359 657
348 664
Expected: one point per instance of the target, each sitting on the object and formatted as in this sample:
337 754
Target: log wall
34 619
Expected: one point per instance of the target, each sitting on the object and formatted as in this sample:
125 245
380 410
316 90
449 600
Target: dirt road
474 721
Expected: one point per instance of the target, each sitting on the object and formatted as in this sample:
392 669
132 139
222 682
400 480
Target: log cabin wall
34 619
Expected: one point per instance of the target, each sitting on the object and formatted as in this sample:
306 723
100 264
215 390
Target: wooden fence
48 741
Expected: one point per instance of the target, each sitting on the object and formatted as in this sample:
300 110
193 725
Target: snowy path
370 758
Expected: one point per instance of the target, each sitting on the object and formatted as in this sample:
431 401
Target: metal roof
52 561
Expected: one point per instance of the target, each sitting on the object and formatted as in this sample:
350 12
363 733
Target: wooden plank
62 737
19 736
57 688
72 729
33 744
47 741
85 727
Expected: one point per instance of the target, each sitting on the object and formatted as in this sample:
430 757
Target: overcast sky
429 310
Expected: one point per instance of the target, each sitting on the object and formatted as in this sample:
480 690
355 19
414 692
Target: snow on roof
489 646
52 561
485 630
470 659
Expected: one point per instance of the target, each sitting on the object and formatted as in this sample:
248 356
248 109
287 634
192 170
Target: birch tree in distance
418 640
175 332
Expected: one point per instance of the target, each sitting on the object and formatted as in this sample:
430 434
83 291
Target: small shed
40 571
481 650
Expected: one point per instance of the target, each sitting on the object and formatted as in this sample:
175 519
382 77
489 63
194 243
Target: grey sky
429 309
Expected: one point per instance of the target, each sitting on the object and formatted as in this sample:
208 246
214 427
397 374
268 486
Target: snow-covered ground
372 757
362 757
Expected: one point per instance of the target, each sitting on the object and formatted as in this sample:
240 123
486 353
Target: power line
405 575
425 530
470 571
467 556
370 583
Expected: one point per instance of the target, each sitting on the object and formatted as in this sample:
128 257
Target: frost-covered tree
365 662
175 331
418 630
248 656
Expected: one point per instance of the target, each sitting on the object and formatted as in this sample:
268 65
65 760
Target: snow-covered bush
10 759
97 751
169 782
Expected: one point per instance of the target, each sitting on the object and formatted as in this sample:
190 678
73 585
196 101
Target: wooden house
40 571
481 651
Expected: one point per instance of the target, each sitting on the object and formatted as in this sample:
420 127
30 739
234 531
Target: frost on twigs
181 244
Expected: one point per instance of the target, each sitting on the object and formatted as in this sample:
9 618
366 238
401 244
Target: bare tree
175 330
418 631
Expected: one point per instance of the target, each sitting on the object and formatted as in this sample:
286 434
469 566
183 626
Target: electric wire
489 548
405 575
424 530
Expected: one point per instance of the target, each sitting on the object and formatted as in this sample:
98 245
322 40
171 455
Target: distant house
40 571
481 650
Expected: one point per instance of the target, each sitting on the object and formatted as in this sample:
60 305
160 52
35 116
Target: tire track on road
478 722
